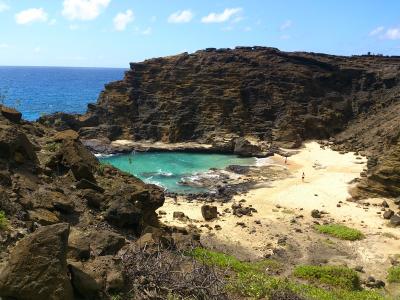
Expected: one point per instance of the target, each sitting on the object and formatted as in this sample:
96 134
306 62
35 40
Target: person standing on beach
303 176
285 160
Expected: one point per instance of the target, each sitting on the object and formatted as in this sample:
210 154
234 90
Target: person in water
303 176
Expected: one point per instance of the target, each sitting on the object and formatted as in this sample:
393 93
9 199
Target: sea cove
177 172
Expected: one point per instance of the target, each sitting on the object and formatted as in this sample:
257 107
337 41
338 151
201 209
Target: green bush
3 220
340 231
249 279
394 274
335 276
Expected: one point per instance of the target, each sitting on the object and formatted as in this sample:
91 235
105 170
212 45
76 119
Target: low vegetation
340 231
3 220
335 276
394 274
252 279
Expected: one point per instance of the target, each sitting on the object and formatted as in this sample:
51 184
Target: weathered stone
84 285
43 216
209 212
104 242
11 114
78 245
388 214
86 184
395 220
37 267
66 135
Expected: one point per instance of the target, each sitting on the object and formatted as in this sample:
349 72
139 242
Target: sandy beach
283 224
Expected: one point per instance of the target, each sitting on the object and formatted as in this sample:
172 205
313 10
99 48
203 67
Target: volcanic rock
209 212
37 268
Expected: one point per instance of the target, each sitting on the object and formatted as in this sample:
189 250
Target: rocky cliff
215 95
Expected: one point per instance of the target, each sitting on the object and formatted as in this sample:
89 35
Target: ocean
42 90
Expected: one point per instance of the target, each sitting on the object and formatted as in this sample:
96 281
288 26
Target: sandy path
327 177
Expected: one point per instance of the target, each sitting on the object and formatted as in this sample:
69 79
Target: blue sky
111 33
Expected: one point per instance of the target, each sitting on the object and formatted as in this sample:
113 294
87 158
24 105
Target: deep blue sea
42 90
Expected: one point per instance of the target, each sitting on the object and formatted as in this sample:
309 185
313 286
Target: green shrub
335 276
340 231
394 274
249 279
3 220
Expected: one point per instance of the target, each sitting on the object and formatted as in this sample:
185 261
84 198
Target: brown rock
209 212
37 268
11 114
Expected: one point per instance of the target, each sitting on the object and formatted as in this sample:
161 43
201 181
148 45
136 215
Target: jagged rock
68 134
37 267
52 200
178 215
123 213
104 242
84 184
244 148
15 146
93 198
105 270
388 214
43 216
84 285
395 220
72 155
78 245
11 114
209 212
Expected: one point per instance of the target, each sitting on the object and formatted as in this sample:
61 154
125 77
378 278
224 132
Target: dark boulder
15 145
209 212
11 114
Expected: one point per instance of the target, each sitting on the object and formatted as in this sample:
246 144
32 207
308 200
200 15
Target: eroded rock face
217 95
37 268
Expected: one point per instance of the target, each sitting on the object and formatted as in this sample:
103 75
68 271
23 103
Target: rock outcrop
51 185
214 96
37 268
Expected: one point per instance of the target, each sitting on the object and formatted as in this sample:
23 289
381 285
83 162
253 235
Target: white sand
327 177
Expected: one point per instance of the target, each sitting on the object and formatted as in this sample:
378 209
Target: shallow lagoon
169 169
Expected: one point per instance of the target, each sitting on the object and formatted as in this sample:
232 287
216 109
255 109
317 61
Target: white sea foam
264 161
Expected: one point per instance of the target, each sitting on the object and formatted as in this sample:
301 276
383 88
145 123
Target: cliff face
273 95
282 98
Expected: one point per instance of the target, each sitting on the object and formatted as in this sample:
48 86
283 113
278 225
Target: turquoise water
168 169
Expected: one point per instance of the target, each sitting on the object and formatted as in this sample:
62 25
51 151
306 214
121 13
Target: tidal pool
170 169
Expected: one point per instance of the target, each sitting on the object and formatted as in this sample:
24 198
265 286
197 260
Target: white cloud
181 16
4 46
31 15
83 9
392 33
376 31
37 49
286 25
221 17
52 22
3 6
122 20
